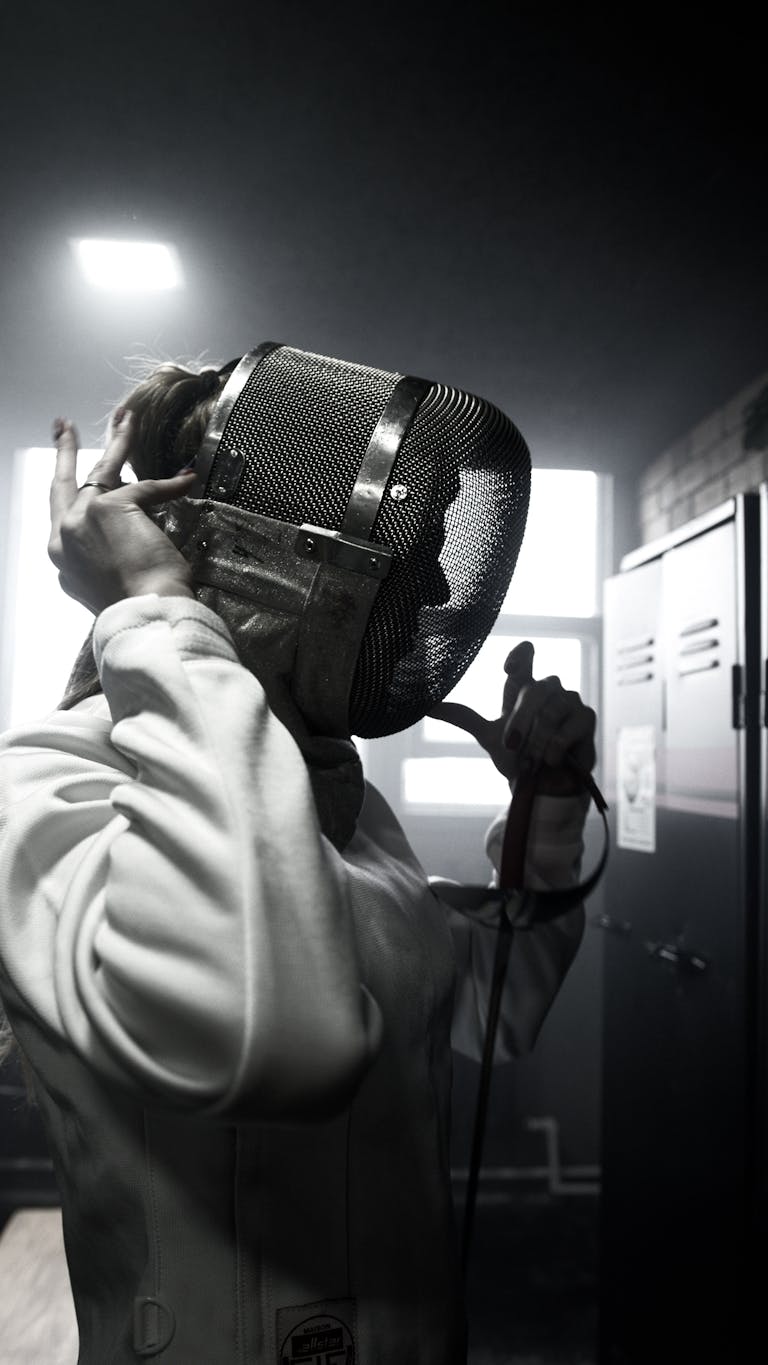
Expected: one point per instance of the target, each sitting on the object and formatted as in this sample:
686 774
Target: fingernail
57 427
186 469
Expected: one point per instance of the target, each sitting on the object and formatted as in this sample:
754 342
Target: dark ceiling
566 215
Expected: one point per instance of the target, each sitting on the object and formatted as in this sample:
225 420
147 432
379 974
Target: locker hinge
738 698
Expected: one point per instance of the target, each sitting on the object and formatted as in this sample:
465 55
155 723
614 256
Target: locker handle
738 700
672 955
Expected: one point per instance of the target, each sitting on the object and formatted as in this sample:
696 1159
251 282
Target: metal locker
681 748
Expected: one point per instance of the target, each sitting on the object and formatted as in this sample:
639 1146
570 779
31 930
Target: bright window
43 629
556 573
453 782
553 602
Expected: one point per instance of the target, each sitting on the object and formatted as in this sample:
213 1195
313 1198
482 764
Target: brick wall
726 453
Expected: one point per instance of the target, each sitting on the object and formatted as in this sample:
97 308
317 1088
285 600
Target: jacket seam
155 1246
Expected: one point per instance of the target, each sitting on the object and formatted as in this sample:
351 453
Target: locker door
676 1041
633 1024
700 960
760 949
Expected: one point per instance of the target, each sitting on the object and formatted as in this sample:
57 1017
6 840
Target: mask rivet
398 491
309 545
373 562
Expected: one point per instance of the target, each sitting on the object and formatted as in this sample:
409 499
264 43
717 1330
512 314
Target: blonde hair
172 405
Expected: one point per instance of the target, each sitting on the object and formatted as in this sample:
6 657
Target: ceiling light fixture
131 267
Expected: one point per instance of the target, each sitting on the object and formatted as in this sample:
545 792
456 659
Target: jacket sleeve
540 957
169 904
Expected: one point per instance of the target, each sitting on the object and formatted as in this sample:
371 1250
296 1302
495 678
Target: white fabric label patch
636 788
317 1334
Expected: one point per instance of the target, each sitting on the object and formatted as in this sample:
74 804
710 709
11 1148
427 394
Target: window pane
454 782
482 686
43 628
556 573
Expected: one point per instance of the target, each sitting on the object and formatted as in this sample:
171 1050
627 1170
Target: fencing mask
357 530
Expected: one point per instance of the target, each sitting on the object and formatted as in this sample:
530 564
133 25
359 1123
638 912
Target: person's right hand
542 728
104 545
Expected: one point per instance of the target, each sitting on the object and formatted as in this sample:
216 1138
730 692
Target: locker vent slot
630 646
696 626
706 649
704 666
624 664
699 645
634 661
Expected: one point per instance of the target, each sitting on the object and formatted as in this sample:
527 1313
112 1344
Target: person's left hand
103 542
542 728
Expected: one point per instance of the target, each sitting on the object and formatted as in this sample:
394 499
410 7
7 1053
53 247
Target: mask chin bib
296 601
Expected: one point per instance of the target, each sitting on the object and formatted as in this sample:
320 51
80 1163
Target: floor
531 1288
532 1284
37 1319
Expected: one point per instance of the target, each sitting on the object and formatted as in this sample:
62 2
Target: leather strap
541 906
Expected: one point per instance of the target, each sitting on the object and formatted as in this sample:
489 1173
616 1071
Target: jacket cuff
196 628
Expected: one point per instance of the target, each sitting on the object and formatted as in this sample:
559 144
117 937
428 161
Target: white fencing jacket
241 1037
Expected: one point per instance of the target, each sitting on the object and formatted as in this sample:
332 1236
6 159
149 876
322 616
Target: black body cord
541 906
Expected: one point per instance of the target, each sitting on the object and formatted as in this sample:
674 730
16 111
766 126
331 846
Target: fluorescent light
130 267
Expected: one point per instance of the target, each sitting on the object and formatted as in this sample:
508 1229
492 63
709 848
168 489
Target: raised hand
542 728
102 542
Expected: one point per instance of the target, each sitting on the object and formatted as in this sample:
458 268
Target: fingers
529 706
145 492
518 667
549 723
150 491
572 733
64 484
519 662
109 468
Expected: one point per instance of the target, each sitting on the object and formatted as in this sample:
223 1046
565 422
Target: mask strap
378 460
211 441
350 569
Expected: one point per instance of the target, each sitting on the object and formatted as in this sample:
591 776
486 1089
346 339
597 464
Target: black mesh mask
357 531
410 494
